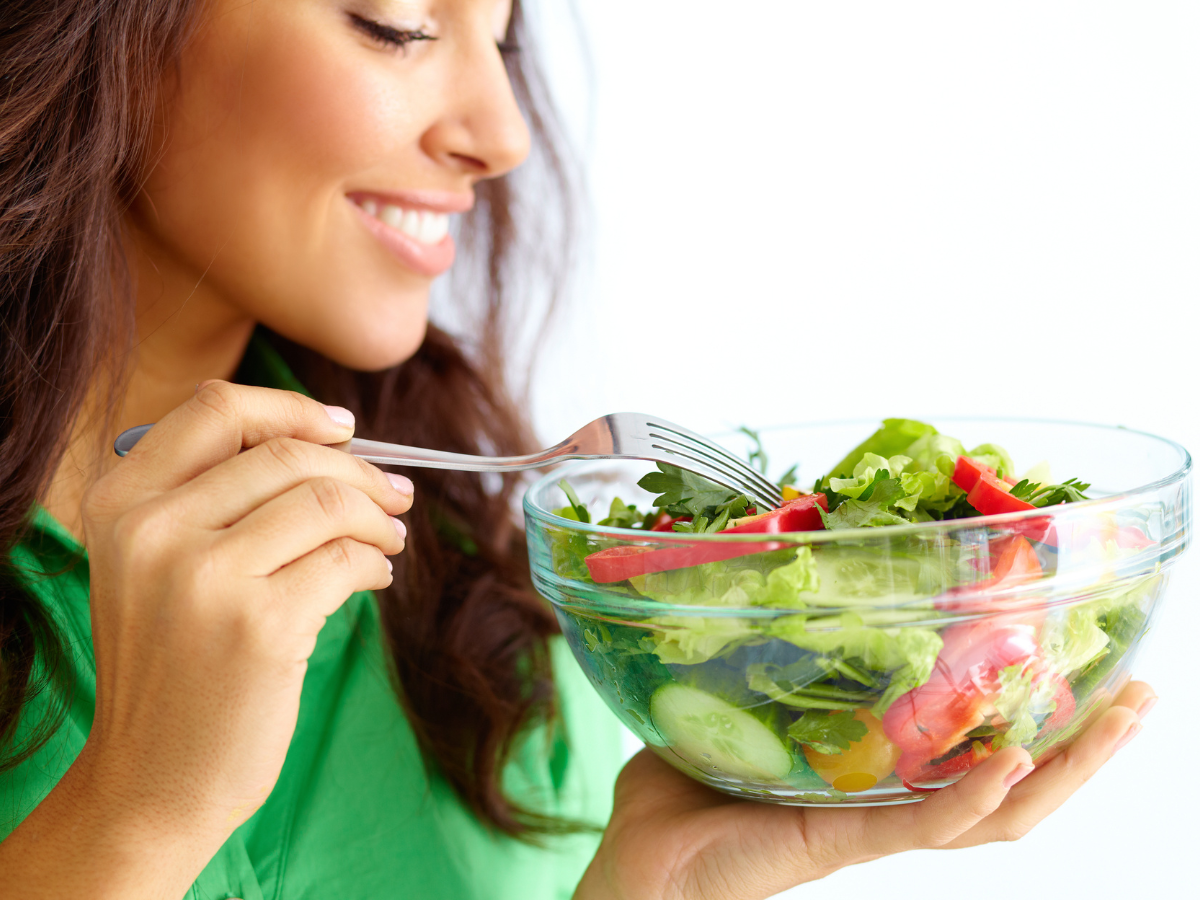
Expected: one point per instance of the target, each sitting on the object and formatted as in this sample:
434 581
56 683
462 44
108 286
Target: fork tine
716 453
679 456
716 450
705 465
745 481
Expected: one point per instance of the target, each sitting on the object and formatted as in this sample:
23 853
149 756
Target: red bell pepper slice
991 496
912 770
1064 704
931 719
1013 562
666 522
621 563
987 493
968 471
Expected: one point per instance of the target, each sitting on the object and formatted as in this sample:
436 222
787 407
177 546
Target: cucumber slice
711 734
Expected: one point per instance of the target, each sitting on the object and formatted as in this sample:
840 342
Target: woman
210 208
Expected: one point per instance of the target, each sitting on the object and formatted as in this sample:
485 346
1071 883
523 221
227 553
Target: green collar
263 366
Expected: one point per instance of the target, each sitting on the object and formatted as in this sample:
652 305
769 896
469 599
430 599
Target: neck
186 333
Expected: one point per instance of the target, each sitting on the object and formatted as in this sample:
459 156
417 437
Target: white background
897 209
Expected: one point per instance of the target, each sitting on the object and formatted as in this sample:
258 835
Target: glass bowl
873 665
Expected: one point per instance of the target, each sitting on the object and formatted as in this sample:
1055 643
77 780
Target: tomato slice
621 563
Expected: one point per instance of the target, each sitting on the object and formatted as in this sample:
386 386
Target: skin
221 543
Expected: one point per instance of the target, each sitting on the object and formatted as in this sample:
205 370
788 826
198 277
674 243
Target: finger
299 521
229 491
1138 696
221 420
1049 787
942 816
319 582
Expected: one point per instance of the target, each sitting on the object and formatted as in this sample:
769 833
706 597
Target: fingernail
1016 775
400 529
389 562
1146 707
341 415
1128 736
399 482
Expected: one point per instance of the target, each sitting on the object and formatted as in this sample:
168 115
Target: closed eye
386 35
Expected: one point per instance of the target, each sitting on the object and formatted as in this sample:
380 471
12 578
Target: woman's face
316 151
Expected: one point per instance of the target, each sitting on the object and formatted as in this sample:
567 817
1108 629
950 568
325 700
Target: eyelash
394 37
385 34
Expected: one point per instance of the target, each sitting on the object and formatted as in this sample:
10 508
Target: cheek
265 141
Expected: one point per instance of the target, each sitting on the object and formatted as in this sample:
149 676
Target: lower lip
429 260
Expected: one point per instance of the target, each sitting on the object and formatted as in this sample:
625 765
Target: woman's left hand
672 838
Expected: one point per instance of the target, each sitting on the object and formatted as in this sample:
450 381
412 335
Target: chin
378 337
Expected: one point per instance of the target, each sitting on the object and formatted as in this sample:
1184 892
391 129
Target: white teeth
433 227
424 226
391 215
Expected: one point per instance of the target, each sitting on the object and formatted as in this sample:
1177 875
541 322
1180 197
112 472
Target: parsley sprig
683 493
1041 495
827 733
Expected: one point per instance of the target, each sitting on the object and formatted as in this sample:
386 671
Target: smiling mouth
421 225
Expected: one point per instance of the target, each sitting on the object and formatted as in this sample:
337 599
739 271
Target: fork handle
382 453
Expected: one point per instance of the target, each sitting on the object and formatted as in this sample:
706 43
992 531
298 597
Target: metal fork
618 436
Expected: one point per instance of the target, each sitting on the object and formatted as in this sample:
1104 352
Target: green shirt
354 813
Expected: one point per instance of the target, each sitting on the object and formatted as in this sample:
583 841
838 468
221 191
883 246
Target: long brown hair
467 635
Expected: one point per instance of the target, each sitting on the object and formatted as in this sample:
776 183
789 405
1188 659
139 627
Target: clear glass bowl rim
549 518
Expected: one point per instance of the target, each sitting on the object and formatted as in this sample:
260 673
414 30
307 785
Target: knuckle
296 405
290 453
980 808
331 497
219 398
370 474
343 552
143 526
1014 831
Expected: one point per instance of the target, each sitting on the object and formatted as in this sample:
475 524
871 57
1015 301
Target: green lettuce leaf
690 640
827 733
1071 639
934 452
870 512
893 437
621 515
1022 703
906 654
747 581
995 456
796 685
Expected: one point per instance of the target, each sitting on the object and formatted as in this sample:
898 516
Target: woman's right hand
212 572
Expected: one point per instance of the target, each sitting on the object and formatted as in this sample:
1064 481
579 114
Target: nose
482 131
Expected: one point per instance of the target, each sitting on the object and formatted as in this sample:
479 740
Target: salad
852 667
